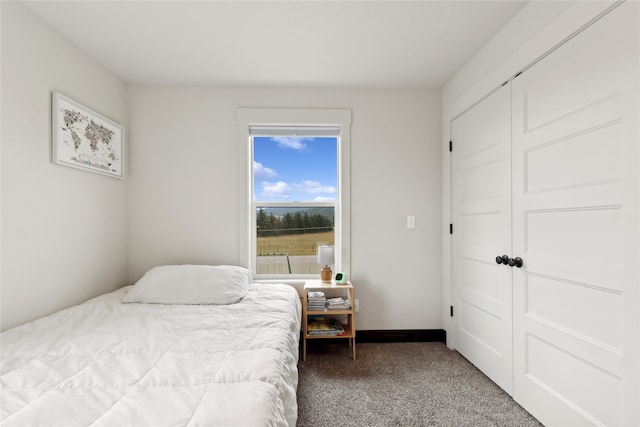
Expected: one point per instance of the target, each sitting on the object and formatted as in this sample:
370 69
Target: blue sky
288 169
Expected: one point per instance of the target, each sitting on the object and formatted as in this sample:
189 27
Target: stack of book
338 303
321 325
316 301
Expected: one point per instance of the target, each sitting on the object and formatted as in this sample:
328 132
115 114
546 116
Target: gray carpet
399 384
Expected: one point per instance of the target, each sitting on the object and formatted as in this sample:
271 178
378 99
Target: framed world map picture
84 139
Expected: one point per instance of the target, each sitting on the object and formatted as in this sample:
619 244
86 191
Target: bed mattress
106 363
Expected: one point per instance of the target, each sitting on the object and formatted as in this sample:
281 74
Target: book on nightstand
338 303
316 301
321 325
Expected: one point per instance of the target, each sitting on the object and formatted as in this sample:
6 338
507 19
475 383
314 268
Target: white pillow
191 284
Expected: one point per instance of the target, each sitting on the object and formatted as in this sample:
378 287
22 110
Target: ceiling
355 44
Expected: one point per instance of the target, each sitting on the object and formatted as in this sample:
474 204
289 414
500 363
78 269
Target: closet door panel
579 244
599 162
548 298
481 178
575 224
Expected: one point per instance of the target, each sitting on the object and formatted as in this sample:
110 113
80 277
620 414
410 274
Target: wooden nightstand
331 290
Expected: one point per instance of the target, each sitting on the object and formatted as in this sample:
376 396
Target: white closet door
481 179
576 218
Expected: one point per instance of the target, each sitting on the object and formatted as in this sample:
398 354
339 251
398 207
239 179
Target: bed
112 361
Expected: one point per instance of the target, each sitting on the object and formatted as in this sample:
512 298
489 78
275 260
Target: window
295 172
295 197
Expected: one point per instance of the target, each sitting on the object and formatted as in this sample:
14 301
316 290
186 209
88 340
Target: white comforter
105 363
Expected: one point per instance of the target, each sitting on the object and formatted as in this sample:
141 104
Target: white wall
64 231
183 197
537 28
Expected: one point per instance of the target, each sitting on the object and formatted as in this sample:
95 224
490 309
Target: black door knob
517 262
502 259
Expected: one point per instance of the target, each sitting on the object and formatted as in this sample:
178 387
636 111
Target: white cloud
314 187
262 172
292 142
284 190
276 189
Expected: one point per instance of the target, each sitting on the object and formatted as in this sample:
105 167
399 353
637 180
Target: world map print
87 141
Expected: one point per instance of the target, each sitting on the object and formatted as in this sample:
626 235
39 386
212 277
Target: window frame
283 117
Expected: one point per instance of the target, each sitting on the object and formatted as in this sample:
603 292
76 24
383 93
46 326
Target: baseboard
402 335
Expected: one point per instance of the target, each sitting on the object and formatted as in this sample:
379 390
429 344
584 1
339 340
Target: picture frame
84 139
